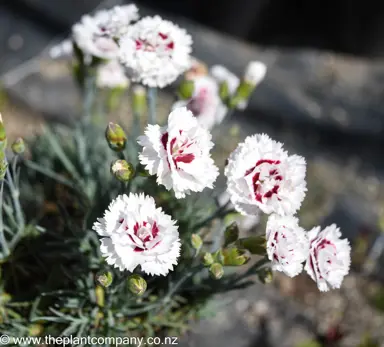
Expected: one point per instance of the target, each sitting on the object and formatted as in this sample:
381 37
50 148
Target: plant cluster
111 232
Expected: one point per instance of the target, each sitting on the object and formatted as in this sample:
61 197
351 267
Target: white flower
261 175
205 103
134 232
111 75
287 244
255 72
329 257
96 36
179 154
156 51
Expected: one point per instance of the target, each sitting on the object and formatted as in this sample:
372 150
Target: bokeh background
323 97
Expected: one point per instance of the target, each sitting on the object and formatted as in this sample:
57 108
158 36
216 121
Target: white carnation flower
329 257
179 154
134 232
156 51
287 244
96 36
111 75
205 103
261 175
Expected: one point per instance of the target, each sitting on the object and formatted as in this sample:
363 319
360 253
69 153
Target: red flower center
147 46
177 147
259 178
143 236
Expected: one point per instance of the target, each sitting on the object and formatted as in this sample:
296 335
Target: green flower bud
224 91
231 234
234 257
122 170
3 165
18 147
116 137
105 279
216 270
137 284
254 244
3 135
186 89
208 259
265 275
196 241
139 100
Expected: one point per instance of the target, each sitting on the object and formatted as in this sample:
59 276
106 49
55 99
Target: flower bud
3 165
196 241
265 275
18 147
234 257
139 101
116 137
208 259
254 73
186 89
254 244
216 270
137 284
3 135
122 170
105 279
231 234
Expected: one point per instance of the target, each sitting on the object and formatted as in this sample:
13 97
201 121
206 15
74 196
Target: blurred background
323 97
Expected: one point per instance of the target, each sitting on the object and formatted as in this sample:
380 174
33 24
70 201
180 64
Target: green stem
151 97
15 194
3 241
181 281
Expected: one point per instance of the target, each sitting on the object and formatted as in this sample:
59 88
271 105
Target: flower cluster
263 177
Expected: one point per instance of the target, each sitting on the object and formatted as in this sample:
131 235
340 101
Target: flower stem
181 281
15 198
151 98
3 241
